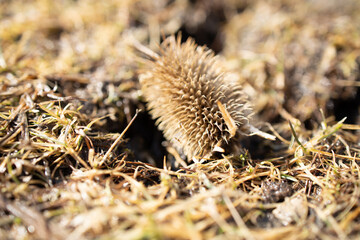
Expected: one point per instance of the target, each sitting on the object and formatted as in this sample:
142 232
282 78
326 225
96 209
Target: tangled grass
71 132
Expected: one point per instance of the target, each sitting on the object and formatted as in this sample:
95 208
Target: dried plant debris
75 150
196 104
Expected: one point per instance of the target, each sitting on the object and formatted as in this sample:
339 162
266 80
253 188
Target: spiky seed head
192 98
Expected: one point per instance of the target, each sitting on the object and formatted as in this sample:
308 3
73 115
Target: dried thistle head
197 106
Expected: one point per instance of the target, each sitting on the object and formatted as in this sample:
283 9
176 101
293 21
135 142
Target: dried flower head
197 106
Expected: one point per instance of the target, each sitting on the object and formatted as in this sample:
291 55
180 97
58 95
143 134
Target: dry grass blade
229 121
117 141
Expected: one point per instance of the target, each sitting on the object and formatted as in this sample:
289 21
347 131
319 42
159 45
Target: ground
80 157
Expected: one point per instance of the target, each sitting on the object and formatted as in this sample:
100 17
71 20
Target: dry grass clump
196 104
71 135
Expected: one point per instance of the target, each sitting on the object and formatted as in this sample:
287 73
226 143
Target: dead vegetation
71 135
